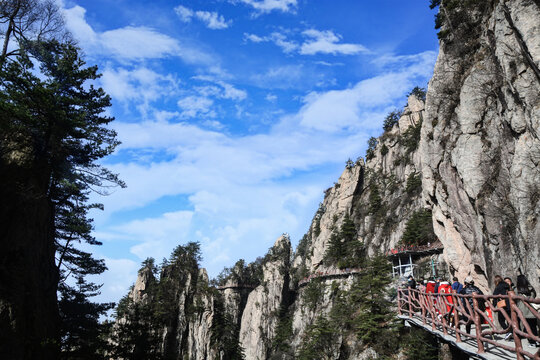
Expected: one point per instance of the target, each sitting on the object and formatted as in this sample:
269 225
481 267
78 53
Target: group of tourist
503 286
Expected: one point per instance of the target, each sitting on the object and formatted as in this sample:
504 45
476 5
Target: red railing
448 312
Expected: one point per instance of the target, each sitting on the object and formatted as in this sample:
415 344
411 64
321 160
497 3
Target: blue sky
235 115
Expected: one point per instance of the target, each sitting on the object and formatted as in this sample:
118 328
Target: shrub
391 120
372 144
384 150
419 229
414 184
419 92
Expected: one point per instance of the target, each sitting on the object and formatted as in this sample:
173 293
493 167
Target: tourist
524 288
456 286
437 283
422 285
502 288
510 283
470 289
446 288
430 286
411 283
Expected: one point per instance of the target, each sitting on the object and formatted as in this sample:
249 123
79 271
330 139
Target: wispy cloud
212 20
277 38
193 106
323 42
327 42
130 43
266 6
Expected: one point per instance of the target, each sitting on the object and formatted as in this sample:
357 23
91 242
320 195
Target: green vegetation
54 132
364 311
372 144
419 229
420 346
384 150
284 331
225 332
414 184
344 249
391 120
312 293
419 92
411 138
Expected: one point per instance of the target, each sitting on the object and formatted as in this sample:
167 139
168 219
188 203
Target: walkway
329 274
236 286
439 314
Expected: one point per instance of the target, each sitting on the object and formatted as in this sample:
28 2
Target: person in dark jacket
411 282
456 285
470 289
524 288
502 288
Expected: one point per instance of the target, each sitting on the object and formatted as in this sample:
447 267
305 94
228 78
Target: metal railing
449 312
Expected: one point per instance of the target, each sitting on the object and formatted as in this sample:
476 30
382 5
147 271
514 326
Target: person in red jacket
430 289
446 288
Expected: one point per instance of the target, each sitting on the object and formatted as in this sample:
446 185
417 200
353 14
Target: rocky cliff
479 146
460 167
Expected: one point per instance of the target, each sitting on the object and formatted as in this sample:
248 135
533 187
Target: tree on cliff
53 132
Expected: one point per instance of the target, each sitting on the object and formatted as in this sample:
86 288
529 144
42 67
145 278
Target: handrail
447 312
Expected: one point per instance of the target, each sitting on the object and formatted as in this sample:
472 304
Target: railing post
455 300
515 325
422 302
409 300
399 301
477 325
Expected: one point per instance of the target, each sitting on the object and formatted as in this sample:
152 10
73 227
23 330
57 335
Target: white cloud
346 107
327 42
224 91
240 188
130 43
193 106
324 42
212 20
271 97
266 6
140 85
277 38
120 275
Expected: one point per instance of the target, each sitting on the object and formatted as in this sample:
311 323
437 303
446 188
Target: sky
236 115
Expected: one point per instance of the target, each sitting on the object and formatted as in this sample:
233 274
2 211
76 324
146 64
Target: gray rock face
260 316
480 146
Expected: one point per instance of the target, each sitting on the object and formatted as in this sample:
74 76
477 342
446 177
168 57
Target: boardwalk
439 314
236 286
329 274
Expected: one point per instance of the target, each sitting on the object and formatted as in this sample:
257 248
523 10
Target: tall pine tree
53 132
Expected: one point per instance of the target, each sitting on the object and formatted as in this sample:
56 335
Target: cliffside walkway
236 286
328 274
447 315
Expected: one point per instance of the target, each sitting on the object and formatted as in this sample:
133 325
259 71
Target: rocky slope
470 157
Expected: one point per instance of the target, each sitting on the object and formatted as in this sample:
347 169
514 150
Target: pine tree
369 297
53 132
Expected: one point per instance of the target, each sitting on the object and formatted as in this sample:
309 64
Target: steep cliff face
480 145
261 314
379 194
